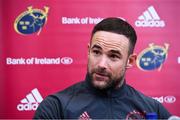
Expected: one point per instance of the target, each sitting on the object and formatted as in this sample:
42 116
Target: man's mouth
100 76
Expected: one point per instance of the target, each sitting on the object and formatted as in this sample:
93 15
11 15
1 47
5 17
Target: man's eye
114 56
96 52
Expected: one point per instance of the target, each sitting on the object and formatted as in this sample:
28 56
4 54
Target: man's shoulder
68 92
63 96
73 89
55 103
136 94
147 103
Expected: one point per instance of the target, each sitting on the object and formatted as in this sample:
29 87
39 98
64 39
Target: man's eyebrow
96 46
116 52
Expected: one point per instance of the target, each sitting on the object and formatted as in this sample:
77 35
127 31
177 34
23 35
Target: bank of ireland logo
31 21
153 57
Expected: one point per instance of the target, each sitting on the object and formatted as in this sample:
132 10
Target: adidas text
152 23
27 107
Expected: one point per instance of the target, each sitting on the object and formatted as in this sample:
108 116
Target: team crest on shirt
135 115
31 21
153 57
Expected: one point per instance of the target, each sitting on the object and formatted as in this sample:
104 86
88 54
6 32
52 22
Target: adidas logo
31 101
84 116
150 18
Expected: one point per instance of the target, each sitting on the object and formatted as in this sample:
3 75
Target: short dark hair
119 26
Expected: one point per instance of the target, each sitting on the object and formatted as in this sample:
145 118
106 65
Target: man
104 94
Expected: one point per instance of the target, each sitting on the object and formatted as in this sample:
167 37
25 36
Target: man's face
107 59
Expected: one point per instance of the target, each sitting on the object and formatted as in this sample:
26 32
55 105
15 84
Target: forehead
110 41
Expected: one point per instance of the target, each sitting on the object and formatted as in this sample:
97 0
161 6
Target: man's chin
101 85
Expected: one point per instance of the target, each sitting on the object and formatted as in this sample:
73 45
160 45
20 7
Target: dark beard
112 83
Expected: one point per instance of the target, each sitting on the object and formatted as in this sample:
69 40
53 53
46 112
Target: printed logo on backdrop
39 61
149 18
152 57
66 60
178 60
31 101
166 99
31 21
82 20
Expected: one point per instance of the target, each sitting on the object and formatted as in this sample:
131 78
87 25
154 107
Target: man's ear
88 49
131 60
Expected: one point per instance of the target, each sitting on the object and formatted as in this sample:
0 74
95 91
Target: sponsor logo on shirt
84 116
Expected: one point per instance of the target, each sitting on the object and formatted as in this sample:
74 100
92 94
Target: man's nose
103 62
